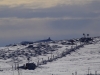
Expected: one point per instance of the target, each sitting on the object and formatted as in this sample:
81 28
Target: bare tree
84 35
87 35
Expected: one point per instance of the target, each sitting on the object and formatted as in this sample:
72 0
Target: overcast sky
32 20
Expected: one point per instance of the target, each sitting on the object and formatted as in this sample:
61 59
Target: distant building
46 40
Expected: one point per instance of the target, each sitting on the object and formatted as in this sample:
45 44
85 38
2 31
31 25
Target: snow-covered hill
77 61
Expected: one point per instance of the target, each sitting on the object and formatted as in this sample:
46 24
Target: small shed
29 66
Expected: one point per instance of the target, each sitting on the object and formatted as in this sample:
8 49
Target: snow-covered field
82 61
79 61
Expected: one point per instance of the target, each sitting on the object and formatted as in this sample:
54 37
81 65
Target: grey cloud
70 24
58 11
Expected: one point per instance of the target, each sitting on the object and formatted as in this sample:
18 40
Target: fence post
71 47
53 57
48 58
95 72
88 71
76 73
72 73
42 60
15 66
13 69
38 63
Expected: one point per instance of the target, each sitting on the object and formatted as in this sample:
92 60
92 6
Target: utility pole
13 69
95 72
51 55
38 61
18 68
76 73
88 71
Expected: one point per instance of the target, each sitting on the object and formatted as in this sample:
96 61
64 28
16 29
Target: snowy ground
80 61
